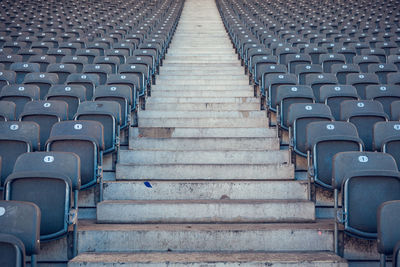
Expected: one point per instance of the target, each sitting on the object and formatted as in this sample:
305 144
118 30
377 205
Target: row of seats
71 77
330 73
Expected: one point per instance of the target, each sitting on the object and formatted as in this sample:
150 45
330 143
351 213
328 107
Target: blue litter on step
147 184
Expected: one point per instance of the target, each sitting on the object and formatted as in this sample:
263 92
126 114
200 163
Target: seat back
72 94
334 95
7 111
388 226
20 95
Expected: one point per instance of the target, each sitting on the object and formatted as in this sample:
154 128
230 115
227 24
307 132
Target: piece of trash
147 184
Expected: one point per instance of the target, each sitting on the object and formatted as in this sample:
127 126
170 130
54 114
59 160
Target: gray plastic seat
395 111
272 85
43 80
108 114
384 93
85 139
393 78
363 114
17 237
334 95
21 69
303 70
131 80
301 114
366 180
386 138
119 93
78 61
7 77
361 81
16 138
327 60
388 221
43 61
62 70
396 255
101 70
89 81
48 179
7 111
20 95
266 69
45 114
364 61
73 95
297 59
316 81
324 141
382 71
342 70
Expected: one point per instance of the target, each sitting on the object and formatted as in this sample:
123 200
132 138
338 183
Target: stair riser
128 212
202 132
204 172
208 264
212 144
204 107
204 157
209 190
150 114
203 82
201 241
201 93
205 122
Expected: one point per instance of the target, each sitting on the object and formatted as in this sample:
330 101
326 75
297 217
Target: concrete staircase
204 182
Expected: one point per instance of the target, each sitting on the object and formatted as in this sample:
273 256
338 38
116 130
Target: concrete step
202 132
205 211
200 58
204 122
199 77
150 114
202 66
206 190
214 144
292 237
203 157
204 61
204 172
251 259
202 93
203 100
203 106
199 72
192 87
203 82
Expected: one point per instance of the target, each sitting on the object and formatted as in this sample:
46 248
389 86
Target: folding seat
7 113
363 114
288 95
85 139
361 81
111 61
21 69
382 70
388 220
73 95
334 95
302 71
121 54
396 255
7 60
13 47
19 95
145 61
42 46
294 60
45 114
366 180
78 61
284 52
386 138
327 60
253 54
43 61
2 66
342 70
107 42
154 47
265 69
43 80
131 80
90 54
301 114
393 78
139 70
359 47
324 140
72 48
317 80
59 53
315 53
97 46
118 93
394 59
61 70
386 94
101 70
379 53
387 46
272 84
348 52
257 62
4 39
364 61
16 138
7 77
89 81
19 232
27 53
108 114
125 46
51 180
395 111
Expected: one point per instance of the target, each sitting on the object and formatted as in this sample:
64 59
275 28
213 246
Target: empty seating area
72 77
221 149
327 74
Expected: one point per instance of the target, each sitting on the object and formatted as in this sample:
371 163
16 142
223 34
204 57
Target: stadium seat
89 81
385 94
20 95
342 70
43 80
361 81
334 95
73 95
7 111
17 237
367 179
